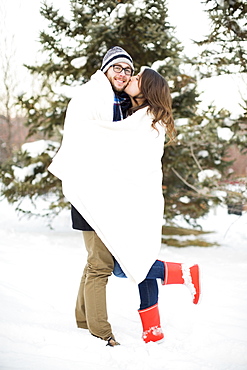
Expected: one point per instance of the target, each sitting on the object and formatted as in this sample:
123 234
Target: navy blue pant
148 288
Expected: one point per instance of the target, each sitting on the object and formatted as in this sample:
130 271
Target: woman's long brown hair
156 92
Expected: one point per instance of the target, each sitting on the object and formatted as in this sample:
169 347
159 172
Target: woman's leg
148 288
149 311
169 273
174 273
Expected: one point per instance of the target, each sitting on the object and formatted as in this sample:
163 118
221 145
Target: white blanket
111 173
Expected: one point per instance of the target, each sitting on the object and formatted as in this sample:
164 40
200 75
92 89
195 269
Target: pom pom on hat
116 55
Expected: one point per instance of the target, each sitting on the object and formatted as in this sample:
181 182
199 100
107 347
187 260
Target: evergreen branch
194 157
185 182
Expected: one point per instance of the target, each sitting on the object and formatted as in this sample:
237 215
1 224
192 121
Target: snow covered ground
40 270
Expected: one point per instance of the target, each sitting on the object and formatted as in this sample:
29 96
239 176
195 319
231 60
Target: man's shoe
112 342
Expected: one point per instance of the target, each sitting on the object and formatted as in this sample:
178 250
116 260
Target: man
101 98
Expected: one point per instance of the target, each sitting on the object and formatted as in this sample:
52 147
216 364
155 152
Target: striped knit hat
116 55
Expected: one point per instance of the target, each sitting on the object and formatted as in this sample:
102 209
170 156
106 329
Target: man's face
118 80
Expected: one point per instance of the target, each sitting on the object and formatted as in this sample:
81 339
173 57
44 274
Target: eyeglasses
119 69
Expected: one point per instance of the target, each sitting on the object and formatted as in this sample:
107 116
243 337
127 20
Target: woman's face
132 89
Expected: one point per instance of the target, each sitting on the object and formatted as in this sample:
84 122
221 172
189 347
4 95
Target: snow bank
40 270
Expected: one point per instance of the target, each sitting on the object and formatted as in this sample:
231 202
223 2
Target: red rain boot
150 318
179 273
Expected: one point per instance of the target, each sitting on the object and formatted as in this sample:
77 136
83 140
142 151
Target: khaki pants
91 312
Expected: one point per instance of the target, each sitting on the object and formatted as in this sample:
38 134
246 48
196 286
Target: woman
111 173
149 89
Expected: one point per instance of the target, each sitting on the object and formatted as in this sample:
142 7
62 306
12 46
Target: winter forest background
204 173
199 171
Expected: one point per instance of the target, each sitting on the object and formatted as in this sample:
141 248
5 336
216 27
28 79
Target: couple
110 167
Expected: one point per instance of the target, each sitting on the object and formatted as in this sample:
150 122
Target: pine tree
224 48
224 52
142 29
196 178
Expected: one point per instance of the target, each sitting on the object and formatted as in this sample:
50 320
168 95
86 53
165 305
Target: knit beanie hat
116 55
